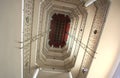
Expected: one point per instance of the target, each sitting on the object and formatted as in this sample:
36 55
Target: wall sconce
84 70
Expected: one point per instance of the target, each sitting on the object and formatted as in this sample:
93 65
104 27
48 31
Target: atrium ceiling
62 35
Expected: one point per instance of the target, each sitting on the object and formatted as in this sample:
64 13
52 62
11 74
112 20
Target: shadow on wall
117 72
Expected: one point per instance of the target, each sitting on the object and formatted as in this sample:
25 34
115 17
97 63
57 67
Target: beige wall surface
10 29
109 46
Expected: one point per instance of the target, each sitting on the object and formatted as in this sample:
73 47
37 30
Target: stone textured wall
27 37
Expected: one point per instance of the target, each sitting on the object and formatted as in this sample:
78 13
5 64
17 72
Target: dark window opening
59 26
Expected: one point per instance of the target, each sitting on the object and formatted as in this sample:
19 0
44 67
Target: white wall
10 28
109 46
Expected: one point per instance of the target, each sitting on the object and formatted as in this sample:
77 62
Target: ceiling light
89 2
